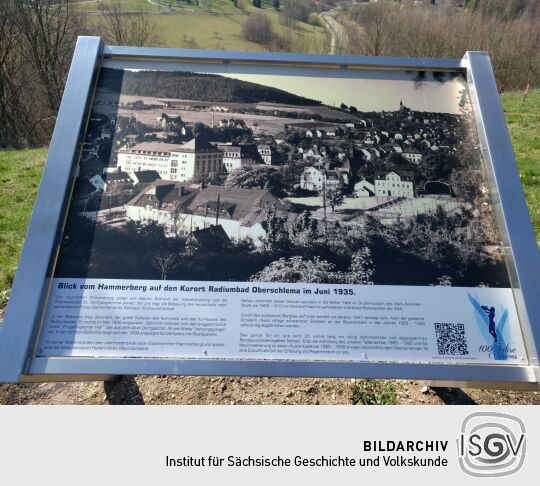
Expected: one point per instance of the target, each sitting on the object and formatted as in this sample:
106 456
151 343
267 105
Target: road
337 32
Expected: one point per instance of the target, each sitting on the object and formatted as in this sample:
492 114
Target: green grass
217 24
217 6
20 172
374 392
524 124
225 32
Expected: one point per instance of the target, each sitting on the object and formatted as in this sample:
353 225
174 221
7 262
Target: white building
393 185
364 189
172 162
412 156
236 156
313 179
267 154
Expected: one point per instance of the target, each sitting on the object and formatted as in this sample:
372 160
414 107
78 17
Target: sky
366 89
370 90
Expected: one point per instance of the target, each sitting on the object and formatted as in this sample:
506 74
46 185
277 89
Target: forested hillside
194 86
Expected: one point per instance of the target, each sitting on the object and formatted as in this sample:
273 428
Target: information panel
282 214
281 321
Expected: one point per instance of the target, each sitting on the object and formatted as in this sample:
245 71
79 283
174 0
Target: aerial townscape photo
250 177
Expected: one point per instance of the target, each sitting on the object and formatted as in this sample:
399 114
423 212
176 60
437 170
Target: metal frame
29 294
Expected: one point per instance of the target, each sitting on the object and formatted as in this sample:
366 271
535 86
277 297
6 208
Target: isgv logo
491 444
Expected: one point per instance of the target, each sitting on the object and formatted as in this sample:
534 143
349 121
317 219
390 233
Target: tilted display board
226 213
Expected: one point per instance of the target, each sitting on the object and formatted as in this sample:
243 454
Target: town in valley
271 171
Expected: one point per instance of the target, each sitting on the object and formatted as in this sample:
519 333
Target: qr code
451 338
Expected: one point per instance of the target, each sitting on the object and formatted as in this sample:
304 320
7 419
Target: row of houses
391 184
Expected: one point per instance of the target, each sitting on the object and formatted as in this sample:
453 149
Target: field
215 24
524 124
20 172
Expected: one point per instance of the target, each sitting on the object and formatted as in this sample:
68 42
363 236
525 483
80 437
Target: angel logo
491 444
493 325
490 311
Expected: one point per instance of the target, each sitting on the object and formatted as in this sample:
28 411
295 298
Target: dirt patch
154 390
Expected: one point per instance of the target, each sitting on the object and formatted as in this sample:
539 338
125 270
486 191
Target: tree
297 270
15 118
467 184
335 196
37 39
165 263
258 28
48 30
200 130
377 28
178 217
297 10
256 176
276 238
361 270
304 229
128 29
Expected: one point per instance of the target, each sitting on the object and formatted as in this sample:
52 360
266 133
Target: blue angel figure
490 311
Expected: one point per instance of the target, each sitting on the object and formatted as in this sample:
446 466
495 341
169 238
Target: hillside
214 24
195 86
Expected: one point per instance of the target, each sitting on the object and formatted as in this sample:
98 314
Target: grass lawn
224 31
20 172
217 24
219 6
524 124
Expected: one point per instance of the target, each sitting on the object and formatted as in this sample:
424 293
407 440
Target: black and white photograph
374 177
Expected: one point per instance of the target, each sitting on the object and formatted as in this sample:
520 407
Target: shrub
314 19
257 28
374 392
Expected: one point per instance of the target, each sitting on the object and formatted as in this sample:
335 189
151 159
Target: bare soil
154 390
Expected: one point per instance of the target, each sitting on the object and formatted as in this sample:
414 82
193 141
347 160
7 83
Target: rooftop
244 205
146 176
196 144
116 176
161 192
